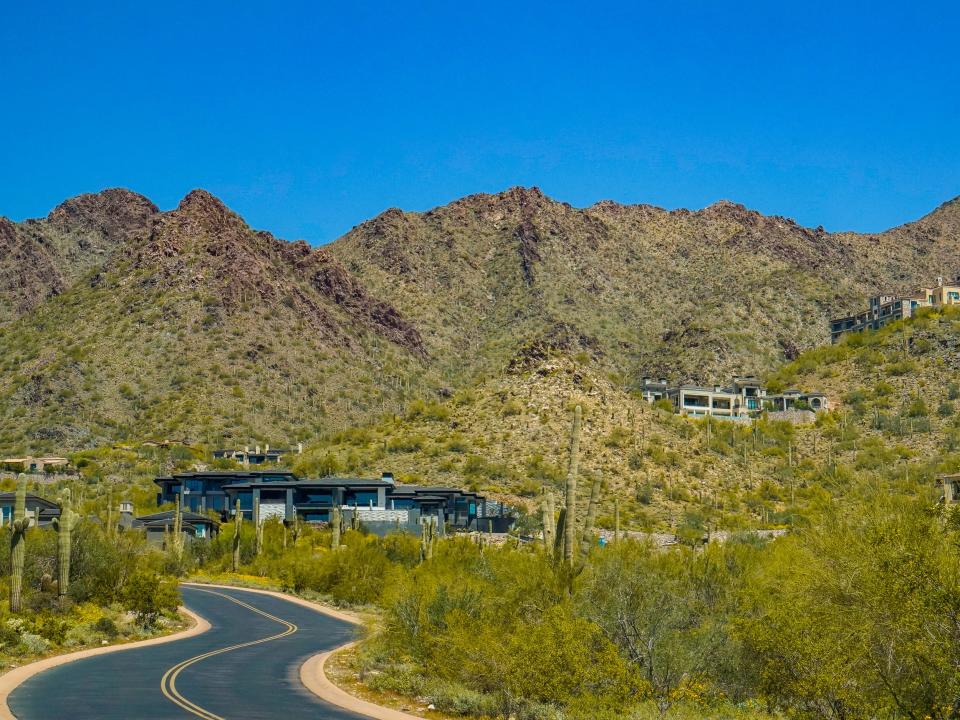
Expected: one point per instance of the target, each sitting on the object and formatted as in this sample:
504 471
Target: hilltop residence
380 504
885 309
31 464
40 510
745 397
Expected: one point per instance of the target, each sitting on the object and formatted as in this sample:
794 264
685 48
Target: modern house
160 526
379 503
745 397
885 309
40 510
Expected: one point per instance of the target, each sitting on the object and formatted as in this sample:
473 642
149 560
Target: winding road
246 667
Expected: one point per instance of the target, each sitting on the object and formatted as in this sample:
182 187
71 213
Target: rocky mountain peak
117 213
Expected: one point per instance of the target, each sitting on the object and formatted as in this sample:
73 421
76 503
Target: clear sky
309 118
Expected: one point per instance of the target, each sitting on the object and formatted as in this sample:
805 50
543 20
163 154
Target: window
362 498
195 486
315 497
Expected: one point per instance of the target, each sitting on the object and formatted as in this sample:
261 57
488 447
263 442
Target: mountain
41 258
189 325
121 322
690 295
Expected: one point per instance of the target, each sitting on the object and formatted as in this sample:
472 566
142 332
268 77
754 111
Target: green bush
149 596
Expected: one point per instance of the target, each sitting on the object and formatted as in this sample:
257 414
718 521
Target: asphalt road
246 667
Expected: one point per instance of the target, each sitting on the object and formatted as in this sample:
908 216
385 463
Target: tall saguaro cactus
616 519
570 528
546 515
111 525
336 523
427 538
64 526
178 530
18 540
587 539
237 522
257 526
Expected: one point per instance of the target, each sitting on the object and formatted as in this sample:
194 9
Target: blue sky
308 118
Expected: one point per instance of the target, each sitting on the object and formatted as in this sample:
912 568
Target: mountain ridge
118 318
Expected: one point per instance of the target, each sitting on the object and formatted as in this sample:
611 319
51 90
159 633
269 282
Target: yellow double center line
168 683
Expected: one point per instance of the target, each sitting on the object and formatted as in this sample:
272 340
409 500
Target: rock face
42 258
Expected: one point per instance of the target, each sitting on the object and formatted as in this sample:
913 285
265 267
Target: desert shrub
619 437
916 408
106 626
510 408
149 596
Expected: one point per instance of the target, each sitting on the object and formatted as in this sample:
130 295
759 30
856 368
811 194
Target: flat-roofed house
40 510
160 526
885 309
380 503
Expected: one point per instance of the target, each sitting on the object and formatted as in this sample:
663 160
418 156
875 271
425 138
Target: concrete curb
13 679
312 673
313 676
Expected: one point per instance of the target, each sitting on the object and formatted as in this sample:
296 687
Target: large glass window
315 497
361 498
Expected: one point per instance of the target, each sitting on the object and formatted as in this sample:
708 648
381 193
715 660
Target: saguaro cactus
178 530
570 519
355 518
111 525
336 522
237 522
296 529
427 537
64 526
546 516
587 539
257 526
18 540
616 519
